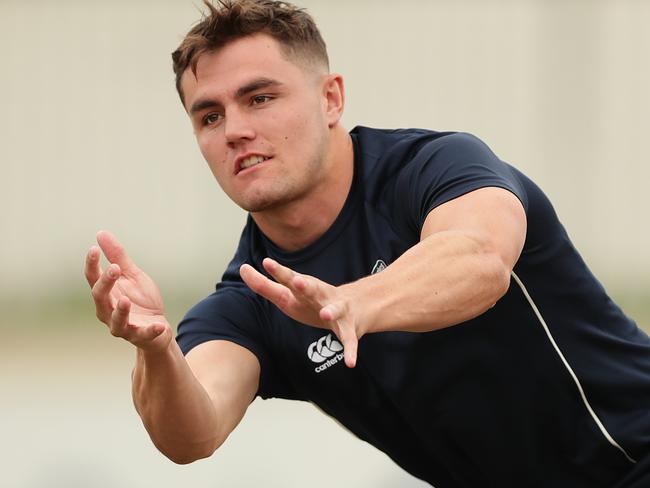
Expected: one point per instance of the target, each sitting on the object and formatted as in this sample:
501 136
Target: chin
255 205
262 203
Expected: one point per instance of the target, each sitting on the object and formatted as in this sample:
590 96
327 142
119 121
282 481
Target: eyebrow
255 85
242 91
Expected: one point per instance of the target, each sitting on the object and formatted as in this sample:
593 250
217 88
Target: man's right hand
126 299
207 392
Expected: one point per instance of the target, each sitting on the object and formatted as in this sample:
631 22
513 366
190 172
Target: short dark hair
291 26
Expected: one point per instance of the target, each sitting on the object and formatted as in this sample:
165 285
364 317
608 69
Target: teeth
252 161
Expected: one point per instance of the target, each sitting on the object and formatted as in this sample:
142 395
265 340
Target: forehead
221 72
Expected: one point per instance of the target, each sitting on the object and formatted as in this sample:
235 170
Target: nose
237 127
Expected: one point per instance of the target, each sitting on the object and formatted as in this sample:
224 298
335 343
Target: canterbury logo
379 266
326 351
323 348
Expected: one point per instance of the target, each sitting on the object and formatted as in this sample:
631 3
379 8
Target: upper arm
230 375
493 216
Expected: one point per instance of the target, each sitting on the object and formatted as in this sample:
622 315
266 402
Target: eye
211 118
260 99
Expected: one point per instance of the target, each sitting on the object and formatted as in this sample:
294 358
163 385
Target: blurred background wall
92 136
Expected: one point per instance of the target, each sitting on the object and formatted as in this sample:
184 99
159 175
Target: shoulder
382 155
232 313
408 172
385 158
405 143
386 145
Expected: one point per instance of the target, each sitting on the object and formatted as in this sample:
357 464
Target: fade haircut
292 27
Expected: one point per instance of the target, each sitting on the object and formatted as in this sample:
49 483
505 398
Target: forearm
445 279
174 407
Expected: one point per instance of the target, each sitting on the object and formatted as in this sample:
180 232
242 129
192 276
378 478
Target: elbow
497 280
188 457
492 268
184 458
190 454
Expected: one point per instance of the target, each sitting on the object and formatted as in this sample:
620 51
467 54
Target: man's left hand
310 301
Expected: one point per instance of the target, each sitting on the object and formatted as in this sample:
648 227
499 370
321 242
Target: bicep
493 216
230 375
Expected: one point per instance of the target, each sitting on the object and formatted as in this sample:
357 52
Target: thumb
154 331
348 338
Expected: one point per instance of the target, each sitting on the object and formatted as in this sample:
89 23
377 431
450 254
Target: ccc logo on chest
325 350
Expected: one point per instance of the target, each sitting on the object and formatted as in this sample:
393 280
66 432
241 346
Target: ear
334 98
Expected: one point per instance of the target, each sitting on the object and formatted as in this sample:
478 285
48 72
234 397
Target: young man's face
261 122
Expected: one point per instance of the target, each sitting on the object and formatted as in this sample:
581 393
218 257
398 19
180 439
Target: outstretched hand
309 301
126 299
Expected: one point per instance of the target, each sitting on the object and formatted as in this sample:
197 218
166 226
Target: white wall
93 136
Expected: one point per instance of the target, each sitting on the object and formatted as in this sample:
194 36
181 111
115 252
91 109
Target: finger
312 291
279 294
332 312
146 333
280 273
101 292
350 343
120 326
92 271
120 318
114 251
305 287
139 335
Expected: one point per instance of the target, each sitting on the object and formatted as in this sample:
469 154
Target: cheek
204 145
301 131
213 154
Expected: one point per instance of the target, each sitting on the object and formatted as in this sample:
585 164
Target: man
407 282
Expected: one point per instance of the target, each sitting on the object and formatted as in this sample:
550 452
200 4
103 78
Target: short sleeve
231 313
446 168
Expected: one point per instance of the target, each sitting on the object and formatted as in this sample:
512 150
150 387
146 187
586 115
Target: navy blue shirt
549 388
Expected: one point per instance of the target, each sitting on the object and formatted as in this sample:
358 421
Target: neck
301 222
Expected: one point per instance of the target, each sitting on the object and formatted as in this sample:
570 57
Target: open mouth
251 161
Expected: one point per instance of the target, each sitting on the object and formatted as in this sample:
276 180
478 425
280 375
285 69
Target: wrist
160 349
364 308
152 366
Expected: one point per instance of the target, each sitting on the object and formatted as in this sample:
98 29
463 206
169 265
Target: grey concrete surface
68 422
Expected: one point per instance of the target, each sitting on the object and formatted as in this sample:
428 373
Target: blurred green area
74 311
71 310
